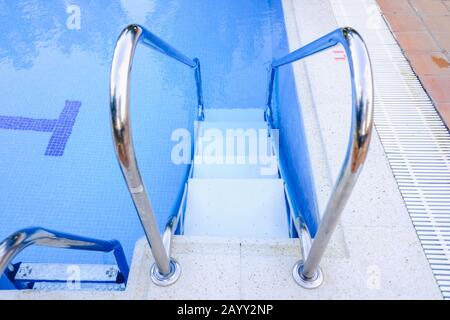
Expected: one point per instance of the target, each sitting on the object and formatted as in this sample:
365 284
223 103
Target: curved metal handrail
307 273
18 241
167 270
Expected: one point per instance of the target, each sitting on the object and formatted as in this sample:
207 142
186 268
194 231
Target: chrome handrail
19 240
166 270
307 272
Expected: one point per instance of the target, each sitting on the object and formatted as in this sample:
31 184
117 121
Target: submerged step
233 115
246 208
56 277
233 125
236 171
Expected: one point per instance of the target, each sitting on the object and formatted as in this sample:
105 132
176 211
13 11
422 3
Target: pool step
235 190
56 277
245 208
235 115
62 286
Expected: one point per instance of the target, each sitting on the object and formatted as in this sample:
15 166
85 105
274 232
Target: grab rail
18 241
307 273
166 270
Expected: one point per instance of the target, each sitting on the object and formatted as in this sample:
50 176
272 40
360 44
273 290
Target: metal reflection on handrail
166 270
18 241
307 272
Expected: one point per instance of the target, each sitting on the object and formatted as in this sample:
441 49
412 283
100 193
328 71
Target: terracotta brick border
422 28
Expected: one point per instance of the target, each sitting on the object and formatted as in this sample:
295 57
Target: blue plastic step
51 277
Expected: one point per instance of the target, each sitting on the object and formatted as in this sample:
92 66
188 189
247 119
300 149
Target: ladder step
62 286
233 115
246 208
234 150
236 171
47 276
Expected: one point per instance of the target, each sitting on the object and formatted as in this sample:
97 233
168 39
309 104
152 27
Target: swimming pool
57 164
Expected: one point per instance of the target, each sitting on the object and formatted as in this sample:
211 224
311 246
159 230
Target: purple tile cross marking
61 127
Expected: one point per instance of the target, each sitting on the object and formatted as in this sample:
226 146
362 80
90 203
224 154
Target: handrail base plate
307 283
166 280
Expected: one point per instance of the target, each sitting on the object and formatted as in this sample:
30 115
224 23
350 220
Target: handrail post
307 272
166 270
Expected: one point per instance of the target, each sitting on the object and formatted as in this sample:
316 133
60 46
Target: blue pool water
57 164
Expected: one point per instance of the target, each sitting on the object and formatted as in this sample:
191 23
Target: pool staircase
211 205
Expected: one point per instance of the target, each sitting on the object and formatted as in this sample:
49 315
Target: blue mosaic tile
21 123
63 129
